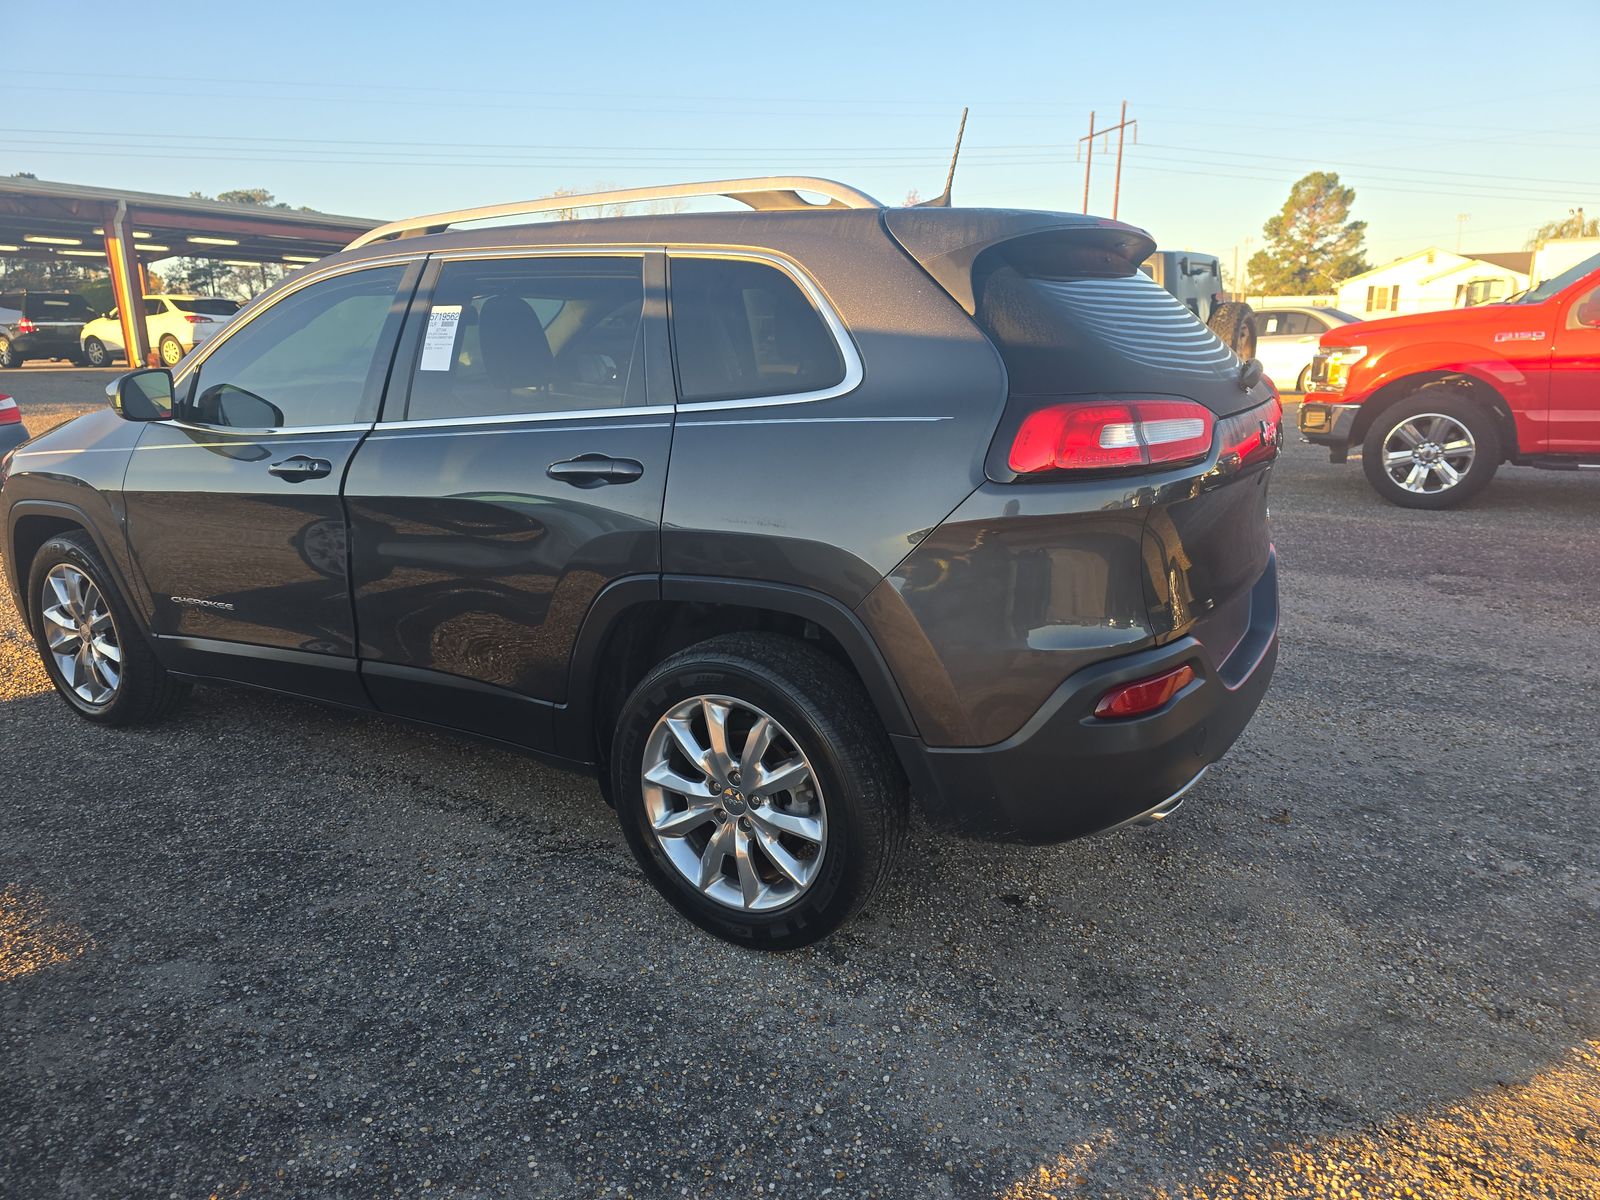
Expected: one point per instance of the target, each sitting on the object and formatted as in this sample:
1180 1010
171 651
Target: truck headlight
1340 359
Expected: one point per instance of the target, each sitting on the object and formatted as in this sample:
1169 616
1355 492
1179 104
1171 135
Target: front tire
171 350
92 648
1433 450
757 789
94 350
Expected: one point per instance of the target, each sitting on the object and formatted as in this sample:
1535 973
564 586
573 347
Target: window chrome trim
560 414
854 372
248 314
174 423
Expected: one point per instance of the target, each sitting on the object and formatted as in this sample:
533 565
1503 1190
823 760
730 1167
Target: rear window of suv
57 308
208 307
744 330
1062 333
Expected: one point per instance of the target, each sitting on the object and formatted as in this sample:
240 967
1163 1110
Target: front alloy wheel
1432 450
81 635
734 803
1429 453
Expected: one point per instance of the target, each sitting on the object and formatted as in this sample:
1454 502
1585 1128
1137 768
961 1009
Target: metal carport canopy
129 230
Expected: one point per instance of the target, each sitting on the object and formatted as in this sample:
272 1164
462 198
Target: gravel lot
275 949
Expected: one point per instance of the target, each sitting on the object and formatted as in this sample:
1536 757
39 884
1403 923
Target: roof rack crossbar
772 193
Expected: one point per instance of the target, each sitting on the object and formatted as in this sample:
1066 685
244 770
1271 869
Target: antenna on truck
942 200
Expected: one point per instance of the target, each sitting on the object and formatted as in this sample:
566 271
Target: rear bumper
1327 424
46 345
1066 773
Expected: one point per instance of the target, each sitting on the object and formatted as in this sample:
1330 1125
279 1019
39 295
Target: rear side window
743 330
58 308
514 336
1073 334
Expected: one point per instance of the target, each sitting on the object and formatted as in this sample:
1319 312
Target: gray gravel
276 949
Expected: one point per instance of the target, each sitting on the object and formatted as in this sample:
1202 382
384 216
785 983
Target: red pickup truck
1438 401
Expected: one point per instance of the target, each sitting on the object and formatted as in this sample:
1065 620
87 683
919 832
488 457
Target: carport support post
127 283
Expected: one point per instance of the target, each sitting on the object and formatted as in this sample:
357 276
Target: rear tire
94 350
1433 450
114 676
8 354
702 836
171 350
1235 323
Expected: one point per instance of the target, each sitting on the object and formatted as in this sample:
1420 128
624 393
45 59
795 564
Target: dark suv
41 325
772 520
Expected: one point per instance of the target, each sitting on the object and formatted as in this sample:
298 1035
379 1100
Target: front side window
1269 324
744 330
515 336
303 361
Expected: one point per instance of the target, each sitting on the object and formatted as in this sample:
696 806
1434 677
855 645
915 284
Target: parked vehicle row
61 325
1437 401
629 493
175 324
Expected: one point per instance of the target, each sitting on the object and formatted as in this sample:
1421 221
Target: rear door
1575 376
518 469
233 508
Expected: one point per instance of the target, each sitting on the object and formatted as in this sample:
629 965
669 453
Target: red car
1438 401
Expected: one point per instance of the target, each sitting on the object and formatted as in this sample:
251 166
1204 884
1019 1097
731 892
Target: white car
1287 338
176 325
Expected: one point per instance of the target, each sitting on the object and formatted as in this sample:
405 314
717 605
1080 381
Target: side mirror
142 395
1588 313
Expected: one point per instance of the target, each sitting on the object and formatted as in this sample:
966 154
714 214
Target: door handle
592 470
301 467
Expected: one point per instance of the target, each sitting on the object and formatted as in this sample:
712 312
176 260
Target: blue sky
1428 110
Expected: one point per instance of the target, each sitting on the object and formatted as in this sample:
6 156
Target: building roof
1520 261
38 216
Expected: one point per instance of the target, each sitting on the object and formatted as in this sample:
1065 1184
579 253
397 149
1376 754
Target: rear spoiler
948 243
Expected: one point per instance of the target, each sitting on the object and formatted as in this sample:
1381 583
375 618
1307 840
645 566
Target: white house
1434 279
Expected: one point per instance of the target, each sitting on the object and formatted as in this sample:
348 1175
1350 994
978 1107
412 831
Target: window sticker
439 343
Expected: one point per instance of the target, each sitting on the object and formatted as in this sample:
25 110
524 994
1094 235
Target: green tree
1574 224
1311 244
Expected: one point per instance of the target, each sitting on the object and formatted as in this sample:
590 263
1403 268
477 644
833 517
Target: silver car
1286 341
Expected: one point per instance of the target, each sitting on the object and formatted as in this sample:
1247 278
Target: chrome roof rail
770 193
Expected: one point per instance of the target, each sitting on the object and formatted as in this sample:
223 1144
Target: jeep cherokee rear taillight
1110 435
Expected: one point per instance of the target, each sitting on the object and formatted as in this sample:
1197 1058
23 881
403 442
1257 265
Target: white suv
176 325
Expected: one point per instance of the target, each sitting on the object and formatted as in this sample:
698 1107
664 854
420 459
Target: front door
1575 377
233 507
518 469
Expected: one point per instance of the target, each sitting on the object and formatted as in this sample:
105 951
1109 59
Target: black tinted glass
208 306
745 329
307 357
58 308
530 335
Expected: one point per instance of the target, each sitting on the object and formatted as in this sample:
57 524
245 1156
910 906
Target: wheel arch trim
16 570
576 716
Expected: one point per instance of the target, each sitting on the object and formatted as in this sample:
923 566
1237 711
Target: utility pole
1461 222
1120 128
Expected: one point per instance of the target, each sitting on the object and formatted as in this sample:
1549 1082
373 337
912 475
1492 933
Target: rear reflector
1097 437
9 413
26 326
1144 695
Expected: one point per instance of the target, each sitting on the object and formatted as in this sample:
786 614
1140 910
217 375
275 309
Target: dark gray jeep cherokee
772 519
